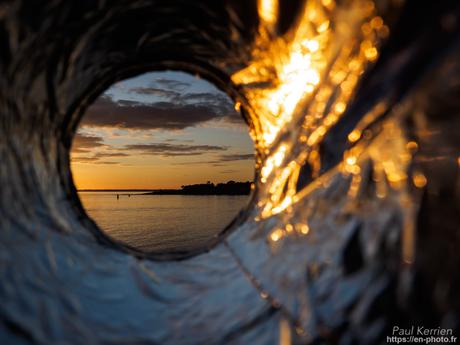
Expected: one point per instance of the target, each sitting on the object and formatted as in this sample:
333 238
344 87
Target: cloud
219 101
171 83
91 160
207 97
155 92
172 140
126 114
84 159
235 119
100 155
97 158
212 99
168 150
82 146
172 90
83 143
222 159
236 157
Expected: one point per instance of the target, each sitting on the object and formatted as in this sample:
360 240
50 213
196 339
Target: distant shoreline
115 190
181 192
152 192
229 188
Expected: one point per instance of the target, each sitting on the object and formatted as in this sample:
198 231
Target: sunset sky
161 130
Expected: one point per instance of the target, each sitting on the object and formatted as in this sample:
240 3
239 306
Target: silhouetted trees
229 188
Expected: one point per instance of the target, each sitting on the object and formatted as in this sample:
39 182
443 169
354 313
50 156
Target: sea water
161 222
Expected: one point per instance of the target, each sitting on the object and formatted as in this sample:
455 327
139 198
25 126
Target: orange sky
89 176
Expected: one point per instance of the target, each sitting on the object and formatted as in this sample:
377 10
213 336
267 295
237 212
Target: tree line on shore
209 188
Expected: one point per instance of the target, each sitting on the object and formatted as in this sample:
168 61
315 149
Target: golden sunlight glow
276 235
412 146
354 135
304 229
268 11
142 176
298 86
419 180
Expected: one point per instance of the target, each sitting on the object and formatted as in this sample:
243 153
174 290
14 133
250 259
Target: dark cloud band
169 150
84 143
222 158
161 115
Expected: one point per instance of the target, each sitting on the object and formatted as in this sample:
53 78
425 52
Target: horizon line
144 189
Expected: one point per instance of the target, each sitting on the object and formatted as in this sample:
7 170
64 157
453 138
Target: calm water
161 222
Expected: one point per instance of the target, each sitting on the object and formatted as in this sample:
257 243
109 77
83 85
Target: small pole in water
118 196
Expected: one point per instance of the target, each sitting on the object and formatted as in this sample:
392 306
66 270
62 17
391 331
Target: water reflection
162 223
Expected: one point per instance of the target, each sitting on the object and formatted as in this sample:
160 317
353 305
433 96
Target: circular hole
163 162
